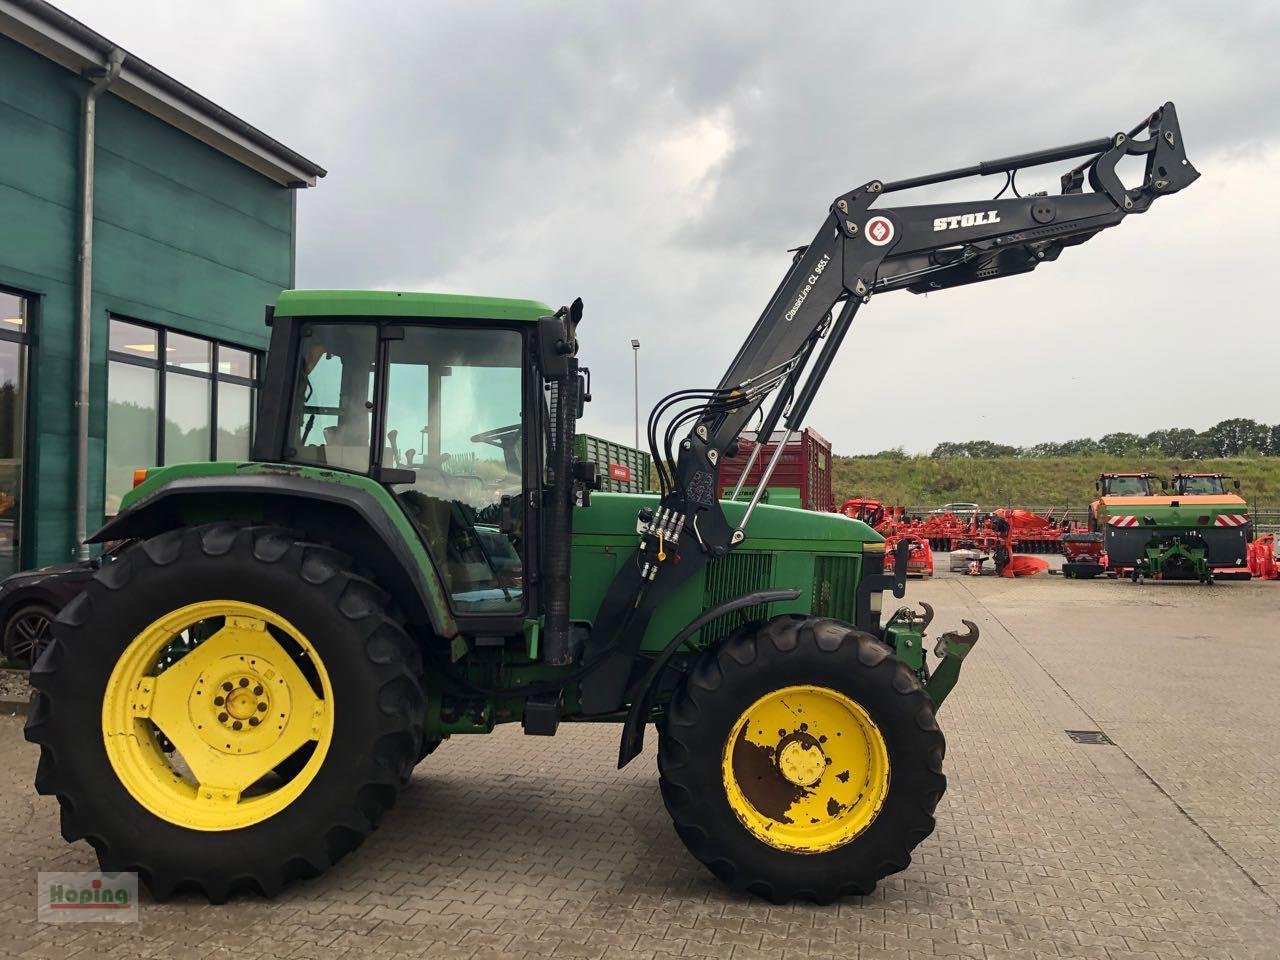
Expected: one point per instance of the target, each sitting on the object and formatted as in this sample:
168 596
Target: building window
202 391
14 328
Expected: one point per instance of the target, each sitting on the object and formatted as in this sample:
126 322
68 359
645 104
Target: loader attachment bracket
952 647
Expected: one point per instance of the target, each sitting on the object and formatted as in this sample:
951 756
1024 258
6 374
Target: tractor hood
614 515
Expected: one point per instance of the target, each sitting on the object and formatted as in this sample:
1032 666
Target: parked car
30 601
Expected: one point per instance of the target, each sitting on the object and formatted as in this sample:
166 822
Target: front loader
414 553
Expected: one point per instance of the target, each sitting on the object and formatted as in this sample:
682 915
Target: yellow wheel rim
197 741
806 769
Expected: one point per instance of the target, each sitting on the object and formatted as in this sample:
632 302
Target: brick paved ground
1165 845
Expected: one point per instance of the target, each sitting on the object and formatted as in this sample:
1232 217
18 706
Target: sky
659 159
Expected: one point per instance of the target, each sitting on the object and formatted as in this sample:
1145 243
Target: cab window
1203 485
333 404
1128 487
453 419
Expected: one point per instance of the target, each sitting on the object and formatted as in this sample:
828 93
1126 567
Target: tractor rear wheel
226 708
800 759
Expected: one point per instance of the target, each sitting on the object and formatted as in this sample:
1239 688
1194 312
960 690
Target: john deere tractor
413 554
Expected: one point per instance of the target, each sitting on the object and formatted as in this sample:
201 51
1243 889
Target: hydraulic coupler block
659 532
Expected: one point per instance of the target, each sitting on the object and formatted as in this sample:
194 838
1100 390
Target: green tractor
414 553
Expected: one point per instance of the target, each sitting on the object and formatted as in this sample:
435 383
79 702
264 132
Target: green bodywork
1174 532
1172 513
476 680
778 496
197 511
390 303
820 554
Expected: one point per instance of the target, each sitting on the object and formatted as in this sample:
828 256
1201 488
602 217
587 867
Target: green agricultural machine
1193 529
1177 535
415 553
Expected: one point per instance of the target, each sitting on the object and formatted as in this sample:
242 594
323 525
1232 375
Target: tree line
1237 437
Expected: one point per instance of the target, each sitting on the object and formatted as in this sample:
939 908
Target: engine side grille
835 581
738 573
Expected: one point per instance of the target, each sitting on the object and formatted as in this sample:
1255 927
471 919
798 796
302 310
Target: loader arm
859 251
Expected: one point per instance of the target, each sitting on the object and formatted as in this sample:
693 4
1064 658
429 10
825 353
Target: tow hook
926 618
964 642
952 647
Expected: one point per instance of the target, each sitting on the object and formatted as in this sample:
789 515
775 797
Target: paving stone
1165 845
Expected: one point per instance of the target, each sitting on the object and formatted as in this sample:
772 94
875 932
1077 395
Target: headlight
877 602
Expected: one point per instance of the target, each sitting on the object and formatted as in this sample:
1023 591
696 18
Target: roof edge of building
66 41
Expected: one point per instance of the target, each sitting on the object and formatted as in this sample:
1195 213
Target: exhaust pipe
558 349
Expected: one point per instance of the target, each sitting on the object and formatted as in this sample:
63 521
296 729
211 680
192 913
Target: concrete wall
184 237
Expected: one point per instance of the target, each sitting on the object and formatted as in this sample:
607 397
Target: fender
641 694
349 516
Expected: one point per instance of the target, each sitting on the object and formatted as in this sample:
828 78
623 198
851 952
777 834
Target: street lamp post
635 353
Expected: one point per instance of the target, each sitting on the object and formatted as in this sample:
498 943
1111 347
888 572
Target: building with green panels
177 225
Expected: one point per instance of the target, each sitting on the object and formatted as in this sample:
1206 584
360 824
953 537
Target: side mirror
584 391
1164 485
1236 484
554 349
558 340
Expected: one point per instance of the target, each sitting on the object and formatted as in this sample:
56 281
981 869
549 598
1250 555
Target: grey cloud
535 150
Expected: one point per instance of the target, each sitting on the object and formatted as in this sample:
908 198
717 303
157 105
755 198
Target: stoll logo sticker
879 230
64 897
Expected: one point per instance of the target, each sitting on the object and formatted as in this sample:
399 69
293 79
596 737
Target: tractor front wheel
800 759
226 708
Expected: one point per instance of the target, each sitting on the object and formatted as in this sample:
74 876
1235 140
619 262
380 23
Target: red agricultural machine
1263 564
999 535
1084 555
1028 532
871 512
994 535
919 556
890 524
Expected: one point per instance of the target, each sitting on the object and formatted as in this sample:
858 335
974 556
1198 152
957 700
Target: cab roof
393 303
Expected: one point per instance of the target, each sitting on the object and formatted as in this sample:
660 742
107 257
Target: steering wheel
498 436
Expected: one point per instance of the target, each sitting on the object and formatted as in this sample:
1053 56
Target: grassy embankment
923 481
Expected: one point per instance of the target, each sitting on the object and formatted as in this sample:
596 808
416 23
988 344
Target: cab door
454 445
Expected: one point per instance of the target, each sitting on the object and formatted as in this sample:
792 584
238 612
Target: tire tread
393 659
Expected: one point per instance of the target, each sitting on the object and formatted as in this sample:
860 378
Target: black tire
758 659
27 634
373 668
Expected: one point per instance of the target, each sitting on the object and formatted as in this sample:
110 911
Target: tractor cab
1120 485
1126 484
1202 484
433 398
